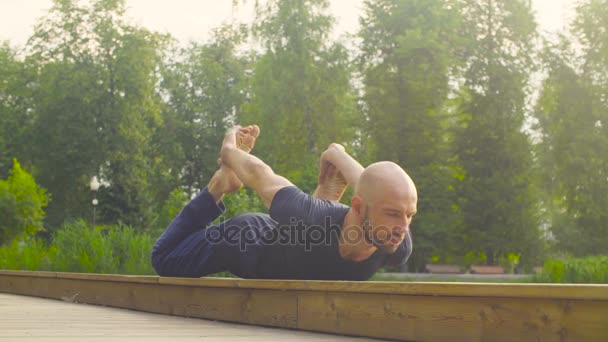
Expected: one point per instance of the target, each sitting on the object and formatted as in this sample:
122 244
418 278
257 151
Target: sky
193 20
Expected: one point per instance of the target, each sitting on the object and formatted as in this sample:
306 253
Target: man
303 237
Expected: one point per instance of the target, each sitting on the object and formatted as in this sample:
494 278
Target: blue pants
191 248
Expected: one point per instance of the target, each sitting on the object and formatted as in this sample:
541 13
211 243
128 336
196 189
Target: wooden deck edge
348 308
544 291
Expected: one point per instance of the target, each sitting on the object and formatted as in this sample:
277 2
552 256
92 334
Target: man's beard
368 235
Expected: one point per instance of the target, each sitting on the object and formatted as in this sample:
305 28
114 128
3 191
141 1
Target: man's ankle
214 189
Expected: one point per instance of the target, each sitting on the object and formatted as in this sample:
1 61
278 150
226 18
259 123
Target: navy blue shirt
314 253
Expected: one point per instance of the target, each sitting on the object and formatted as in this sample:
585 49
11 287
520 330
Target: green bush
27 255
243 201
21 203
110 249
132 250
508 262
77 247
588 270
83 249
169 210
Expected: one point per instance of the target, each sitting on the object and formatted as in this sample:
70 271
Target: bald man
304 236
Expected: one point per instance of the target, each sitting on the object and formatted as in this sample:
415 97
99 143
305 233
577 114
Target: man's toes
246 137
244 142
245 130
255 130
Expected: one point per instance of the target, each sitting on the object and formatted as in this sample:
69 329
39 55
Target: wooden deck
385 310
45 320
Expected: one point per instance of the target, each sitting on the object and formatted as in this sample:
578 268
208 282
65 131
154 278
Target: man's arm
338 170
251 170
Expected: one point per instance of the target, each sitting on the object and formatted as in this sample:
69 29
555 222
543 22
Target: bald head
384 179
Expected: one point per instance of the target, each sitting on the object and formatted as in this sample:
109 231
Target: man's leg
251 170
183 248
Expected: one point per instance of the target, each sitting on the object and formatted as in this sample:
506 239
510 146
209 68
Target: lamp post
94 187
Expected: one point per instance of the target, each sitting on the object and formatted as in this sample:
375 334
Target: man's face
386 223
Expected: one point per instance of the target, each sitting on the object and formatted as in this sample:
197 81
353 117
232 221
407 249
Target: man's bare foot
333 184
223 182
242 138
246 137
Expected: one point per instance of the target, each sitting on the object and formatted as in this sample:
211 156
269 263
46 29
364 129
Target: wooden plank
43 320
556 291
210 303
198 282
110 277
409 311
548 291
454 318
37 274
271 308
29 286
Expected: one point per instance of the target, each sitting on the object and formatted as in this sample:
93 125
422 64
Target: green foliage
244 201
77 247
498 196
572 113
222 275
15 100
95 111
29 254
109 249
586 270
509 261
407 54
440 87
21 205
471 258
205 88
131 249
301 95
169 210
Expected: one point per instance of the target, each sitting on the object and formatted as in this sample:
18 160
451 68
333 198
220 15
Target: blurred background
112 113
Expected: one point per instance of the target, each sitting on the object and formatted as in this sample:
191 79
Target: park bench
443 269
488 269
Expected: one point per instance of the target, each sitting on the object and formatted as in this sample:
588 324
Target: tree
203 93
301 94
96 110
572 113
15 108
21 205
407 54
498 193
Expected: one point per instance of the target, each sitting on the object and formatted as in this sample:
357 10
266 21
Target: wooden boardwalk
385 310
45 320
